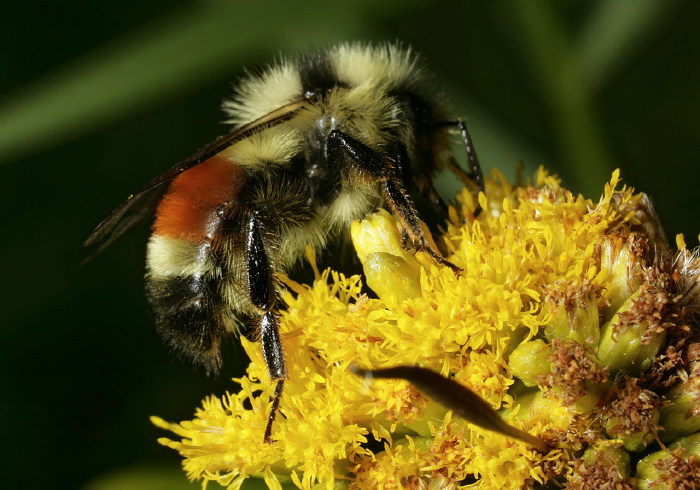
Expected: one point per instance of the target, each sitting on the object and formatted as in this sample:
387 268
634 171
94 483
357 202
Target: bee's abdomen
184 272
187 317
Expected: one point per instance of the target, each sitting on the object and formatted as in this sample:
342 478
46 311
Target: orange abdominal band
190 208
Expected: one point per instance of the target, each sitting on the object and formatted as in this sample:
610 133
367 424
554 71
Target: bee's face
316 143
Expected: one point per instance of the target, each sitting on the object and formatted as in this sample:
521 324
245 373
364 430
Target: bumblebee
316 142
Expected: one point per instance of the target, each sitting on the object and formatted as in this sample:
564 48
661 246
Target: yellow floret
543 272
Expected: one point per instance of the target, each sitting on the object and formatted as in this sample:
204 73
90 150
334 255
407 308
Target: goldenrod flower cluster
570 317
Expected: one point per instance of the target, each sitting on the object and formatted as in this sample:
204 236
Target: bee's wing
142 204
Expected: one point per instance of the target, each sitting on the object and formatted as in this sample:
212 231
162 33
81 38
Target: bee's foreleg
395 191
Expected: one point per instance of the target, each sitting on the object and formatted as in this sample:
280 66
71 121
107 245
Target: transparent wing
141 205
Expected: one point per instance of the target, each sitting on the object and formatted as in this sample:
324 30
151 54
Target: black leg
364 157
395 192
404 209
263 295
476 175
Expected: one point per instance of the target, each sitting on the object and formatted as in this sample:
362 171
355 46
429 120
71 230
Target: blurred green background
96 98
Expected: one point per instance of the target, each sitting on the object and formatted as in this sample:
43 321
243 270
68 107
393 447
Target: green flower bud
589 401
601 464
677 466
615 458
576 377
683 416
632 441
577 322
629 346
647 474
623 269
690 444
530 361
632 414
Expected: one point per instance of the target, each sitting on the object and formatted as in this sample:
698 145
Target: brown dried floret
679 471
572 365
665 369
647 221
567 294
583 431
638 249
690 382
598 476
633 408
693 357
654 306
